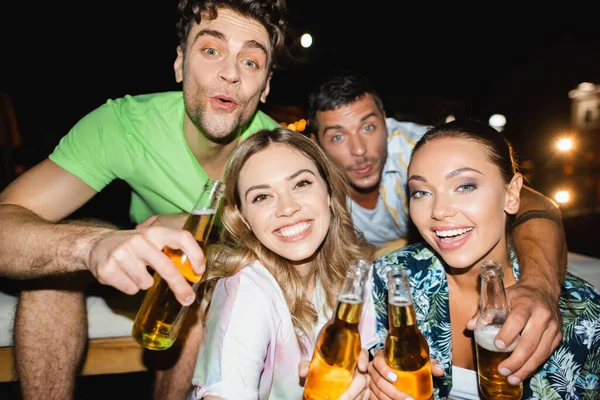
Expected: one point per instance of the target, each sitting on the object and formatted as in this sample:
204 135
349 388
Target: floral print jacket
571 372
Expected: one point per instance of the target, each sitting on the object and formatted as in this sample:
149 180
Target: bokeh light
306 40
565 144
562 196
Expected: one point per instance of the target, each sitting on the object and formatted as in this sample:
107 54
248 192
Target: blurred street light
562 196
498 121
565 144
306 40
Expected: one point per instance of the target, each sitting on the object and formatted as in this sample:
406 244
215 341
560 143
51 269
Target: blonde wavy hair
239 246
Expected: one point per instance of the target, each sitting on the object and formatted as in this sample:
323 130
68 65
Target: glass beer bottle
338 345
494 311
406 350
161 316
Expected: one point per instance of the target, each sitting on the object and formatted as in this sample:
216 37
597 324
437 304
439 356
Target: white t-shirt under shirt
464 384
250 350
388 221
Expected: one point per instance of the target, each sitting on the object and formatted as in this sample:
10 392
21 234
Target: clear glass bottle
494 311
338 346
161 316
406 350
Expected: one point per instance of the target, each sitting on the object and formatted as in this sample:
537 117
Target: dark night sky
61 60
57 67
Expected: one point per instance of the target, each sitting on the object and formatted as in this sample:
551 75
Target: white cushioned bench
111 348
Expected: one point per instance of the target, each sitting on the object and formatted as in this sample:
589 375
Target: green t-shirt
139 139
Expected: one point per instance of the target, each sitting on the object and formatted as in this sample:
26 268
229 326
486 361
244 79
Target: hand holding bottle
338 345
489 353
383 378
120 259
359 388
161 315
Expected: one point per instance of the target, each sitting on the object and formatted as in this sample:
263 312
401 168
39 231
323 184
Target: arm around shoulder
540 241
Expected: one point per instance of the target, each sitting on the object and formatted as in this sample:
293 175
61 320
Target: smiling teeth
293 230
453 232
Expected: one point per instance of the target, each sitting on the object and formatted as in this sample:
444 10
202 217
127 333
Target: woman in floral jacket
464 187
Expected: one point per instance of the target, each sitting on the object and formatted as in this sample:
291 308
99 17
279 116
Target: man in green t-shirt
164 146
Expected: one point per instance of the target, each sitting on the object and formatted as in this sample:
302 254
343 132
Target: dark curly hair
272 14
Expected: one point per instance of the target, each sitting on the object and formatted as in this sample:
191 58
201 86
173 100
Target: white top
464 384
250 350
388 220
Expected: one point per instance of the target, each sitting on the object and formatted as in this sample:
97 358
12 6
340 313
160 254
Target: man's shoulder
146 103
259 122
130 109
407 129
403 136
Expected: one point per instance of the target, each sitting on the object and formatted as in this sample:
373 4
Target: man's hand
534 314
359 388
383 378
174 221
119 259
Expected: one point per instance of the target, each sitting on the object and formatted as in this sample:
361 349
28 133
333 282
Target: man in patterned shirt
349 122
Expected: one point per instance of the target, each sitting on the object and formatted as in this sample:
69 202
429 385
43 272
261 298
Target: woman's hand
359 388
383 378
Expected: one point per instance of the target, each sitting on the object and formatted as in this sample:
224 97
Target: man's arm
33 244
540 241
542 251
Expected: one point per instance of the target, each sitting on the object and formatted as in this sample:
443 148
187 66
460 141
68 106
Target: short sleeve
238 331
83 151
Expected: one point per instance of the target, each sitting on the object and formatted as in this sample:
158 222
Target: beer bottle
161 316
494 311
338 344
406 350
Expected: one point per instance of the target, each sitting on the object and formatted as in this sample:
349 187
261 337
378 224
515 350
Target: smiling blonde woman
273 283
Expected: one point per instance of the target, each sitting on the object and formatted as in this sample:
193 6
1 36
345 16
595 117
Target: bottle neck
348 312
351 297
493 296
199 224
401 314
201 218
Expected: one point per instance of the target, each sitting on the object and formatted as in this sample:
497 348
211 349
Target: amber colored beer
160 317
336 354
492 384
407 352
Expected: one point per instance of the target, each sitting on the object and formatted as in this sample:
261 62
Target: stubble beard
363 189
366 189
218 127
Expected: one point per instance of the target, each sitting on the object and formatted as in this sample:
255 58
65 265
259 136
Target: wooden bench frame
104 356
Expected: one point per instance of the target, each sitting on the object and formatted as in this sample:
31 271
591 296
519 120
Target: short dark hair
272 14
341 87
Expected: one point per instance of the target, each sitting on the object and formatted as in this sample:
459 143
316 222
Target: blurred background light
562 196
306 40
565 144
497 121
